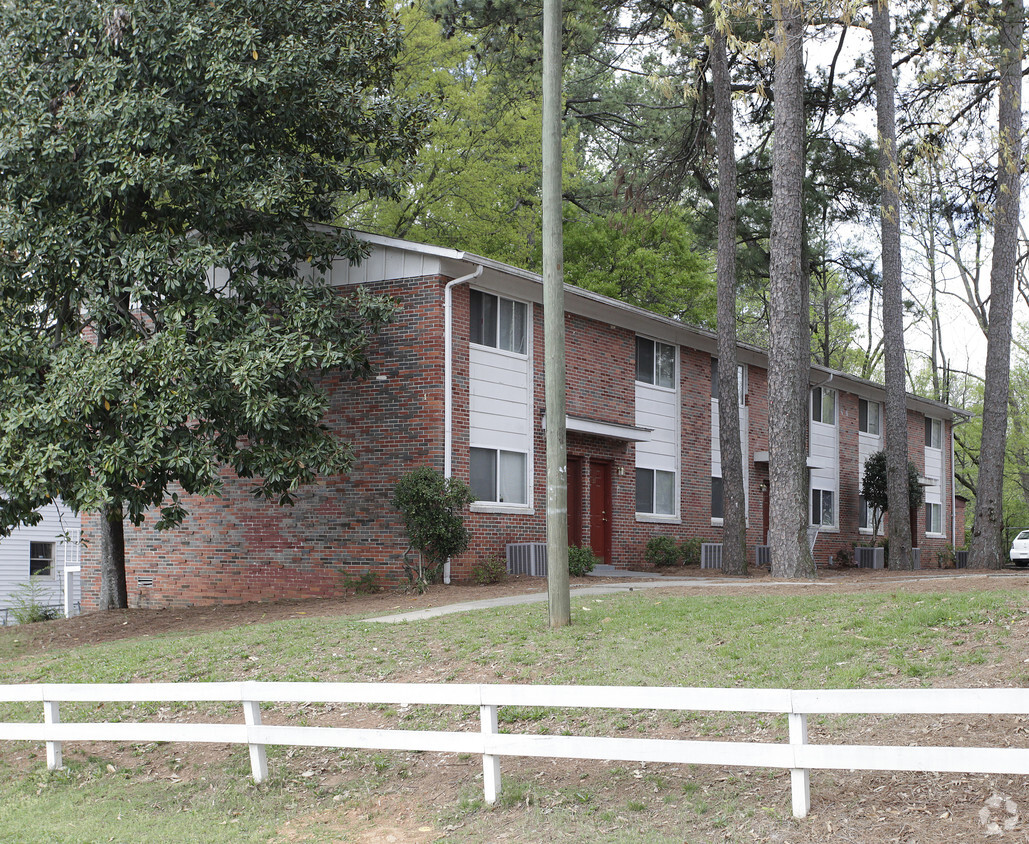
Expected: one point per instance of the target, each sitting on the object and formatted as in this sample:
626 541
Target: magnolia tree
142 145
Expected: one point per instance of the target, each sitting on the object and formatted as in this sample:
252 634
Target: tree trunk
789 352
986 549
734 515
893 314
113 593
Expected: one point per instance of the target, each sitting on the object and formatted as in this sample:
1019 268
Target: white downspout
448 378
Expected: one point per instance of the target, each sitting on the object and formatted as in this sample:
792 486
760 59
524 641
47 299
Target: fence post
258 754
800 778
52 715
490 763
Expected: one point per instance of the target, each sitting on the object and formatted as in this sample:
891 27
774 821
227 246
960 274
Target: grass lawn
184 793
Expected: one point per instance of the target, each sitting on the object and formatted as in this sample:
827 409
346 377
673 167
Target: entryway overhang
609 430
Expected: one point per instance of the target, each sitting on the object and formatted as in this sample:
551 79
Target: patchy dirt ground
411 798
127 624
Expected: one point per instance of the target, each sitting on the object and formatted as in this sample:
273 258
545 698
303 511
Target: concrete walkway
638 580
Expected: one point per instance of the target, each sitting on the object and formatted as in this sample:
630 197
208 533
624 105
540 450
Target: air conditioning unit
869 558
916 558
527 558
711 555
763 556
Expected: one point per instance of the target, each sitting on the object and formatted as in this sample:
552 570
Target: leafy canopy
142 144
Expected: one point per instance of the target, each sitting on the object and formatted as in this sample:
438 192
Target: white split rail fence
798 756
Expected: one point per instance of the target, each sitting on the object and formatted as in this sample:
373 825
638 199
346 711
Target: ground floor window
933 518
499 476
655 492
823 507
717 499
41 559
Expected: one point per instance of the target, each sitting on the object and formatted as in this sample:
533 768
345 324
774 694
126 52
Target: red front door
574 501
600 509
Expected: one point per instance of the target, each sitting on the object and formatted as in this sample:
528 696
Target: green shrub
366 583
29 607
430 506
663 551
690 551
492 569
581 561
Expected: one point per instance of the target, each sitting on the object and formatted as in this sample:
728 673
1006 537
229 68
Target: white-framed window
717 499
933 518
41 559
498 322
823 405
933 432
655 363
869 417
655 492
741 381
497 475
823 507
866 518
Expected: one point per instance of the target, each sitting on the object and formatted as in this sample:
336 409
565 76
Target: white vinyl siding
716 444
16 555
500 408
657 408
935 492
824 452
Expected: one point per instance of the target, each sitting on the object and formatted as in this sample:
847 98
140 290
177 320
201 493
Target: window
655 363
933 518
933 433
869 417
655 492
865 516
717 499
823 405
498 322
41 559
741 381
823 510
499 476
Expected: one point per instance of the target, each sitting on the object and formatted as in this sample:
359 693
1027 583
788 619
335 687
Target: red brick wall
236 548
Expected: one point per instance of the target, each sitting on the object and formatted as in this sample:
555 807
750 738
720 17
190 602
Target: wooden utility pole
554 323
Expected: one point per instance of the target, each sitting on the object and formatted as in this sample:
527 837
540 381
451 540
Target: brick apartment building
459 386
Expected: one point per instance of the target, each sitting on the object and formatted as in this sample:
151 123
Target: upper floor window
933 432
498 322
41 559
655 363
741 381
823 405
869 417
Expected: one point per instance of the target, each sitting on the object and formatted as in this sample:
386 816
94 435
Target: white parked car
1020 549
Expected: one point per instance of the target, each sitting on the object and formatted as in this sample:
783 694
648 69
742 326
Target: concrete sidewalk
541 597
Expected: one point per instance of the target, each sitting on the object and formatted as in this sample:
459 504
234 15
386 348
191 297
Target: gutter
448 379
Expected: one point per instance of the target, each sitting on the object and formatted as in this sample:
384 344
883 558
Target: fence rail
797 755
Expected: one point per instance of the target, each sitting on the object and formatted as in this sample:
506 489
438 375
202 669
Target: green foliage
649 260
140 146
581 560
690 551
430 507
491 569
29 604
873 487
366 583
663 551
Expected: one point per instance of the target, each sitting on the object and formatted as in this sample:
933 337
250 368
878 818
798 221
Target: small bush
29 607
492 569
366 583
690 551
663 551
581 561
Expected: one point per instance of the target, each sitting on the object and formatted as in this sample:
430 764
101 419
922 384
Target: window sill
500 507
717 522
658 519
935 536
